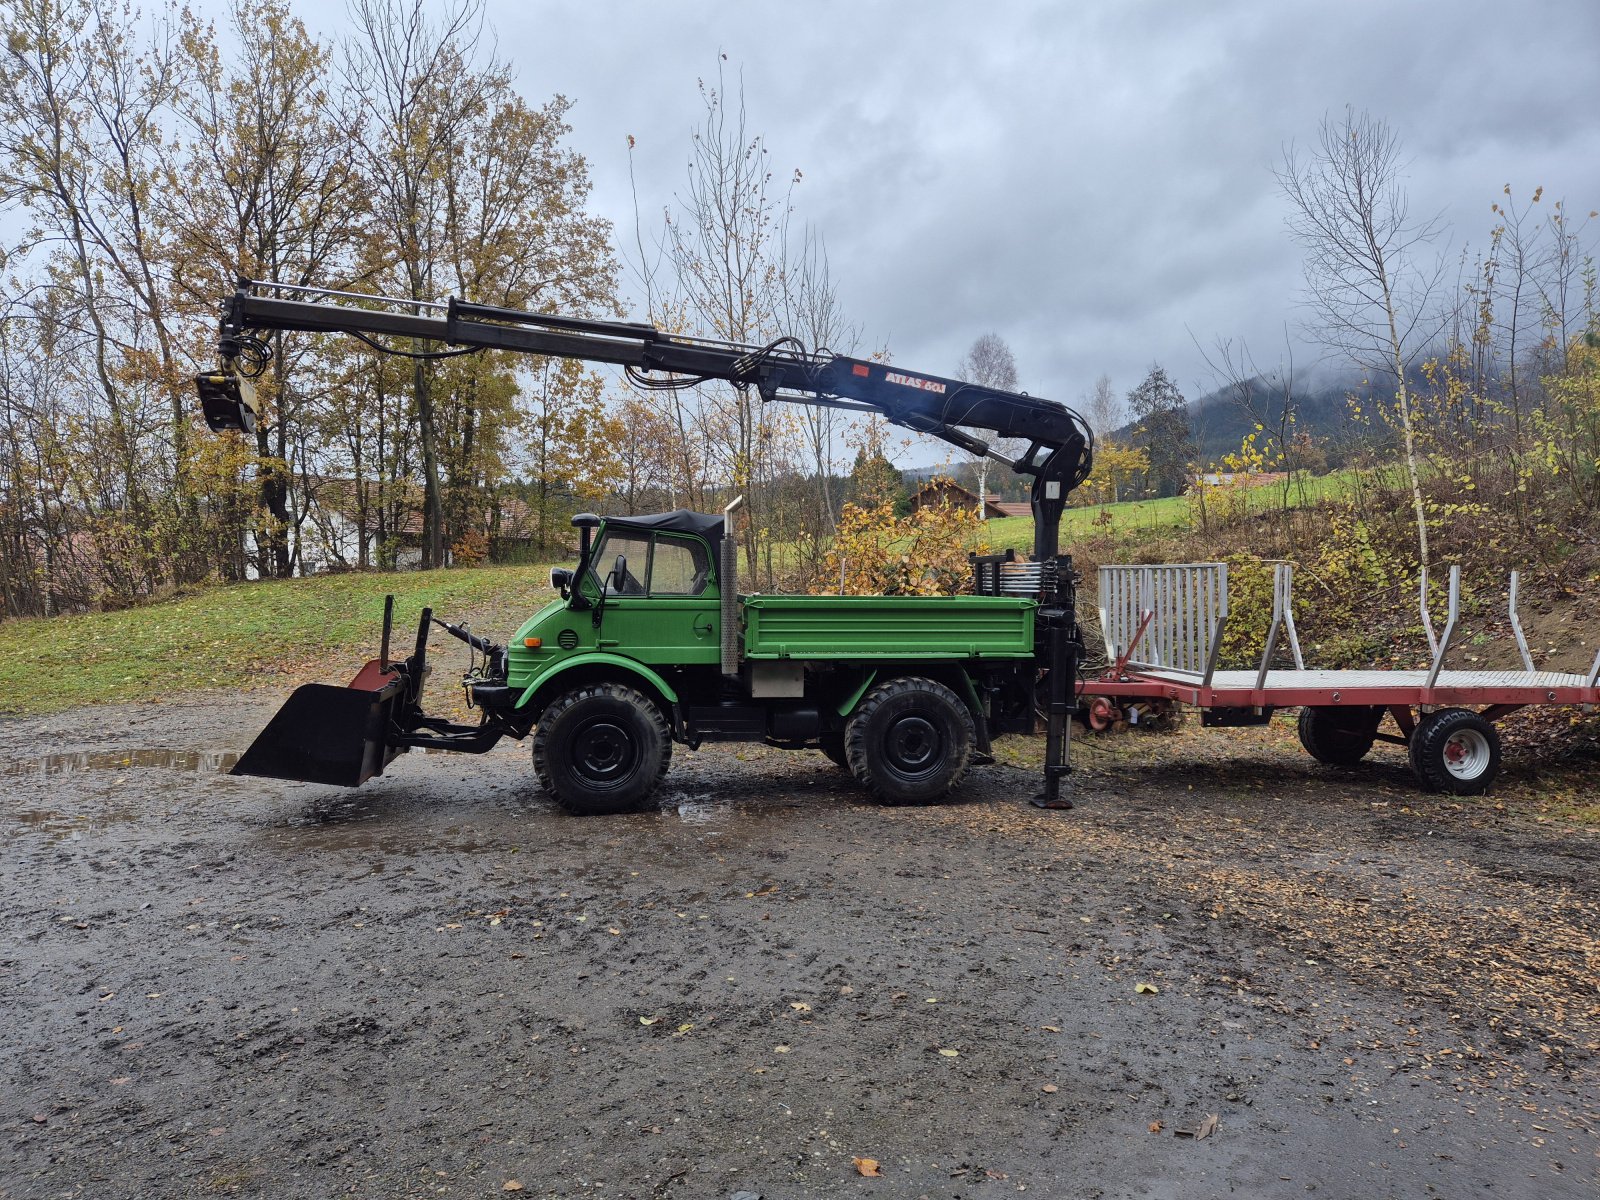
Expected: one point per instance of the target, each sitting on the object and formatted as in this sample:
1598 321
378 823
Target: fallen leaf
1155 1126
1051 1028
684 1028
648 1020
614 932
800 1006
511 1185
867 1167
992 1174
1146 989
950 1053
1203 1130
780 1049
1049 1089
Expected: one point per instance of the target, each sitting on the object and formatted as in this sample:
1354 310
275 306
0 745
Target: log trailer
651 643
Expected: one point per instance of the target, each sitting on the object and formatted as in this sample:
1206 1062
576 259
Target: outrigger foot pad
1057 802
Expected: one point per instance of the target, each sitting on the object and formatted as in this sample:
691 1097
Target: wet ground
441 985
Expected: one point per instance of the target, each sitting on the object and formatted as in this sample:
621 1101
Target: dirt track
439 984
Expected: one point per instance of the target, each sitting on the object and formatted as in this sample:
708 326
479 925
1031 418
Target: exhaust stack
728 581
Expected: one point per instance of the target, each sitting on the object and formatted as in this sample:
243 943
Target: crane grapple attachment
227 399
329 734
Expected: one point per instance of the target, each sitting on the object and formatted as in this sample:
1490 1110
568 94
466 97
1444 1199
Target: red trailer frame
1176 615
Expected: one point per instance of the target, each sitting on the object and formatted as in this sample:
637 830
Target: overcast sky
1090 180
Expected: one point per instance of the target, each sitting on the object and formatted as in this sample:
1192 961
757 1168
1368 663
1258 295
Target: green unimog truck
651 642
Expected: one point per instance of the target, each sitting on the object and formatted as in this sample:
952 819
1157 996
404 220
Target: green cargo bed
885 628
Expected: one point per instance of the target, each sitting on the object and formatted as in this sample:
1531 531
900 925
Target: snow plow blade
328 734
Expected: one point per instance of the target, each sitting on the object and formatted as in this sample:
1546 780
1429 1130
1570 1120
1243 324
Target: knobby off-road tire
1455 750
832 745
909 741
1339 735
601 749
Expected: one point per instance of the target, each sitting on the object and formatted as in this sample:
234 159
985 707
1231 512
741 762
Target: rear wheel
909 741
1339 735
601 749
1455 750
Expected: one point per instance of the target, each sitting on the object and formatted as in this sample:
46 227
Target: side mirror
561 580
619 574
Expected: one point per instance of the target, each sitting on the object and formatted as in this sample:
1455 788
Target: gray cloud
1092 181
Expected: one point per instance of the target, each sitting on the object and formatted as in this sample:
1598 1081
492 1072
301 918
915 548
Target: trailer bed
1291 688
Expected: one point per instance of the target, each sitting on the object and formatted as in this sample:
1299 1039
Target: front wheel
1339 735
910 741
1455 750
601 749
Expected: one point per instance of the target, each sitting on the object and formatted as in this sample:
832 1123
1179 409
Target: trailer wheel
601 749
909 741
1455 750
1339 735
832 745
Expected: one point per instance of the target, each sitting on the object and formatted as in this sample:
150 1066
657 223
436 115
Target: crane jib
1059 444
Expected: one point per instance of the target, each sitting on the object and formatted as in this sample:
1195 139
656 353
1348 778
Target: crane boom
1059 445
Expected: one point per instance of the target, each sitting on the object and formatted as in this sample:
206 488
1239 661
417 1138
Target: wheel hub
1466 754
914 744
603 752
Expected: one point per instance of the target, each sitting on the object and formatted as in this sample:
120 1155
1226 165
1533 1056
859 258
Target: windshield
654 564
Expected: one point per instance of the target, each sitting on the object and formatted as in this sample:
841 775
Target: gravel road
439 984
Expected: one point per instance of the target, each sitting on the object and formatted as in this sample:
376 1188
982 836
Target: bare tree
1369 290
1266 398
988 363
722 274
419 86
812 313
1104 408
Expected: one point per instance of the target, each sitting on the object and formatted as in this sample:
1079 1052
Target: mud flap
328 734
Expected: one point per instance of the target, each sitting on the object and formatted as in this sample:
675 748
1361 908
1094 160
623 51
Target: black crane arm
1059 443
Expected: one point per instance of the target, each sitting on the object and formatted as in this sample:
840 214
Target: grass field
246 634
1158 516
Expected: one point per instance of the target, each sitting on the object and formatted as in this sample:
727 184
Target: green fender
598 658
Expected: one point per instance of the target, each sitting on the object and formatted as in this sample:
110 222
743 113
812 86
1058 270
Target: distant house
333 533
1247 479
947 491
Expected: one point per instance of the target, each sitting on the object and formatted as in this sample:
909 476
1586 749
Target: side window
636 548
680 568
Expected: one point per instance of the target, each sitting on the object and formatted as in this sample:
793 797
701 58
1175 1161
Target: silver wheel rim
1466 753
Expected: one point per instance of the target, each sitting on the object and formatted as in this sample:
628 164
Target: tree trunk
432 509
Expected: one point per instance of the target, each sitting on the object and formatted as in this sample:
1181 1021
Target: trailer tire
909 741
1339 735
1455 750
601 749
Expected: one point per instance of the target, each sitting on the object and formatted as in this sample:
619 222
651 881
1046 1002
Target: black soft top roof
679 520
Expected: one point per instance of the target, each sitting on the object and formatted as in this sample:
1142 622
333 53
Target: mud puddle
203 761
